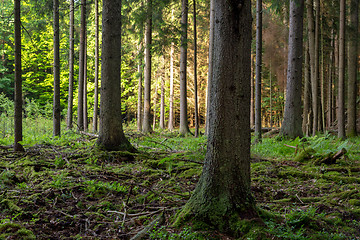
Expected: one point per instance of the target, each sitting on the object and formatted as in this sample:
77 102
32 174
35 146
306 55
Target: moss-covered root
242 221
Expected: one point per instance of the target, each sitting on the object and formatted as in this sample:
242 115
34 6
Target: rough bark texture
85 88
222 197
56 99
171 97
96 90
341 87
353 68
258 70
69 120
292 124
162 98
18 80
146 127
80 120
184 127
252 100
111 135
307 94
195 76
140 93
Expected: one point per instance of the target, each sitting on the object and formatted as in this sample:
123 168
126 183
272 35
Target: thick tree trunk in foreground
111 135
353 68
184 127
56 99
258 70
96 90
223 195
292 124
341 87
80 120
69 120
146 127
18 80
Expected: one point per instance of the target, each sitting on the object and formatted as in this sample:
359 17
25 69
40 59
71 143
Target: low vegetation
67 188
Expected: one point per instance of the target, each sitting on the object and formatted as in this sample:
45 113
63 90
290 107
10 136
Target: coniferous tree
196 113
56 99
258 70
96 90
341 87
80 120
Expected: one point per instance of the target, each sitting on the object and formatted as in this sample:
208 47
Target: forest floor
66 188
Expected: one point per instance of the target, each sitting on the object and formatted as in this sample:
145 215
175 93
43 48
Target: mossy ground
66 188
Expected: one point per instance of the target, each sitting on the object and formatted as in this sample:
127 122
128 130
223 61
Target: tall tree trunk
85 88
317 63
56 103
210 68
353 68
184 127
155 103
111 135
146 127
330 92
341 87
258 70
292 124
307 94
195 76
69 122
80 120
96 92
223 191
140 91
252 113
171 97
18 80
162 97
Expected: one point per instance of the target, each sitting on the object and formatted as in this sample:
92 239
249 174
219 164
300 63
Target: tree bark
146 127
353 68
56 103
171 97
306 125
80 120
223 191
18 80
258 70
111 135
96 92
195 76
184 127
69 122
85 88
162 97
140 92
341 87
252 85
292 124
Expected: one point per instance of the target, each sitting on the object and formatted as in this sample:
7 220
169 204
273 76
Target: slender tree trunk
18 80
258 70
147 73
56 103
111 135
80 120
85 88
155 103
210 68
184 127
195 76
162 97
69 122
171 97
140 92
341 108
252 113
96 93
322 81
317 63
307 94
353 68
271 98
312 53
292 124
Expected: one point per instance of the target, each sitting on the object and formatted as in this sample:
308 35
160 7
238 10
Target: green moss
305 155
354 202
7 204
15 231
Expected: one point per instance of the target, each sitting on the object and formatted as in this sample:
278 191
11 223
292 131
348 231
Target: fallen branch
89 134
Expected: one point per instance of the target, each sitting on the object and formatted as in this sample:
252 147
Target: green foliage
100 187
186 234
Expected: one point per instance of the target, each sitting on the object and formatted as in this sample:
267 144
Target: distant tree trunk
111 135
317 63
195 76
171 97
312 53
353 68
292 124
69 122
210 68
252 113
184 127
223 191
146 127
140 92
307 94
80 120
96 93
85 88
341 87
258 70
162 97
155 103
330 93
56 103
18 81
